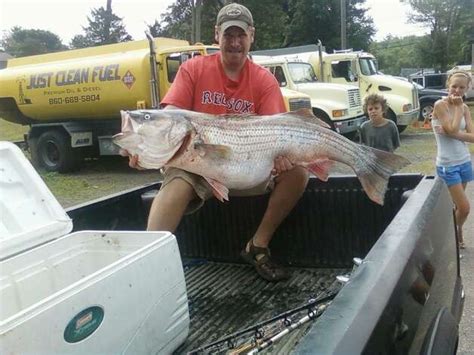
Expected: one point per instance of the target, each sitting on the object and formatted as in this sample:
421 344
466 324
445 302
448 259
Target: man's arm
171 107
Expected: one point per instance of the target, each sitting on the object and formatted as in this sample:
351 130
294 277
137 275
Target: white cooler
89 292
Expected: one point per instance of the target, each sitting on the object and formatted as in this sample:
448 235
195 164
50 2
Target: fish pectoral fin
320 168
220 191
213 151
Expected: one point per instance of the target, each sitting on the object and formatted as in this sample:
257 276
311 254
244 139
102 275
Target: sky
66 18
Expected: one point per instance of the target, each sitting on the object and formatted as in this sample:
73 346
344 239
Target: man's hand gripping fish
238 151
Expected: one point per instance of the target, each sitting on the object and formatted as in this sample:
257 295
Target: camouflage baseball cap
234 15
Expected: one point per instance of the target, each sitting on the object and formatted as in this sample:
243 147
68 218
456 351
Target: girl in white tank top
453 127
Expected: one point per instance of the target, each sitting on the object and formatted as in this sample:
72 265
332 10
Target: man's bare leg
169 205
289 187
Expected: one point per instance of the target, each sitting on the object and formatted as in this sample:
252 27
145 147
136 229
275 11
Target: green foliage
104 28
278 23
394 53
21 42
450 22
176 22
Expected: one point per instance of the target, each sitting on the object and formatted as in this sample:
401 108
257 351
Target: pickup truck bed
393 303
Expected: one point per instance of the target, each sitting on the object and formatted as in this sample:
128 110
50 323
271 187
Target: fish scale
238 151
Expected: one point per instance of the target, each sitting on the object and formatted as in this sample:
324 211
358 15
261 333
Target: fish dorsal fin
306 114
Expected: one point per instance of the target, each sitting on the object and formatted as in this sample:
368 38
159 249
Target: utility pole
343 24
198 21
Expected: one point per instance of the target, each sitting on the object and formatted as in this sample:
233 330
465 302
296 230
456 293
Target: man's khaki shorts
203 189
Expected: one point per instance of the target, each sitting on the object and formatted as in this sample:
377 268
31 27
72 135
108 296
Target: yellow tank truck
72 100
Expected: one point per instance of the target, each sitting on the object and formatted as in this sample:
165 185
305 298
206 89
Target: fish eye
147 116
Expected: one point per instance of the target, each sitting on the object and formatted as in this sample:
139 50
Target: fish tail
375 173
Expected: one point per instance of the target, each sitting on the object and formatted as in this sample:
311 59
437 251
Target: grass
11 132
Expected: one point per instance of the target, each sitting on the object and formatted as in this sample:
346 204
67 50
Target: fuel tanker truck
72 100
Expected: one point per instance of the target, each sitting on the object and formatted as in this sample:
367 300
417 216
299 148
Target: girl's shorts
455 174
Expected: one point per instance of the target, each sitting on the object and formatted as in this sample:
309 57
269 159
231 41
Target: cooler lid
29 213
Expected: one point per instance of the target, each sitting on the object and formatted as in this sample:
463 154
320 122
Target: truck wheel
323 116
393 117
352 135
426 109
52 151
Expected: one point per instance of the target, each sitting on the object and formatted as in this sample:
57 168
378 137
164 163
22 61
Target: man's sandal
266 268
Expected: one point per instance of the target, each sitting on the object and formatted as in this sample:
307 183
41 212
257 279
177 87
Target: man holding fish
228 82
224 132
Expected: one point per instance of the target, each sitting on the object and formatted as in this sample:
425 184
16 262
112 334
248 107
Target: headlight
339 113
407 107
295 104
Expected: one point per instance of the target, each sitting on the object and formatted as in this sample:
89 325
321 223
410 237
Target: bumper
408 118
350 125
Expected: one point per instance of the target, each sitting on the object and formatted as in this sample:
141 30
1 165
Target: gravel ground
466 344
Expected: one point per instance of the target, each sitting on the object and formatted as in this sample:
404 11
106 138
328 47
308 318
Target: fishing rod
290 327
229 340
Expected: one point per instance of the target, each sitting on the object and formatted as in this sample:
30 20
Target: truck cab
338 105
357 69
360 69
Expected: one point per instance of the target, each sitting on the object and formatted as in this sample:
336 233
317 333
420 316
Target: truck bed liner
225 298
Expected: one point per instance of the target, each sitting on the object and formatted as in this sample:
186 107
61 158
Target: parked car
429 80
427 99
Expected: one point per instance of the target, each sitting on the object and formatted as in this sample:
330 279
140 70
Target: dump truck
359 69
339 105
366 278
72 100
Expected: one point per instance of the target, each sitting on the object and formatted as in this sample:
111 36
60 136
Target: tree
450 22
155 29
310 20
176 22
394 53
104 28
21 42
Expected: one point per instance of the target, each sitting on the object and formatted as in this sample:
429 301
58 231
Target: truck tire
393 117
323 116
426 109
52 151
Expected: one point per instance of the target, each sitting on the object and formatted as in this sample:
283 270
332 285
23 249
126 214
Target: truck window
174 60
342 69
419 81
302 72
368 66
435 81
279 75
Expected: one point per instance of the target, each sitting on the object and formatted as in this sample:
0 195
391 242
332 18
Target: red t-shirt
201 85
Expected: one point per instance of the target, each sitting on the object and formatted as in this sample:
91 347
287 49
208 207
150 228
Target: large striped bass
238 151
